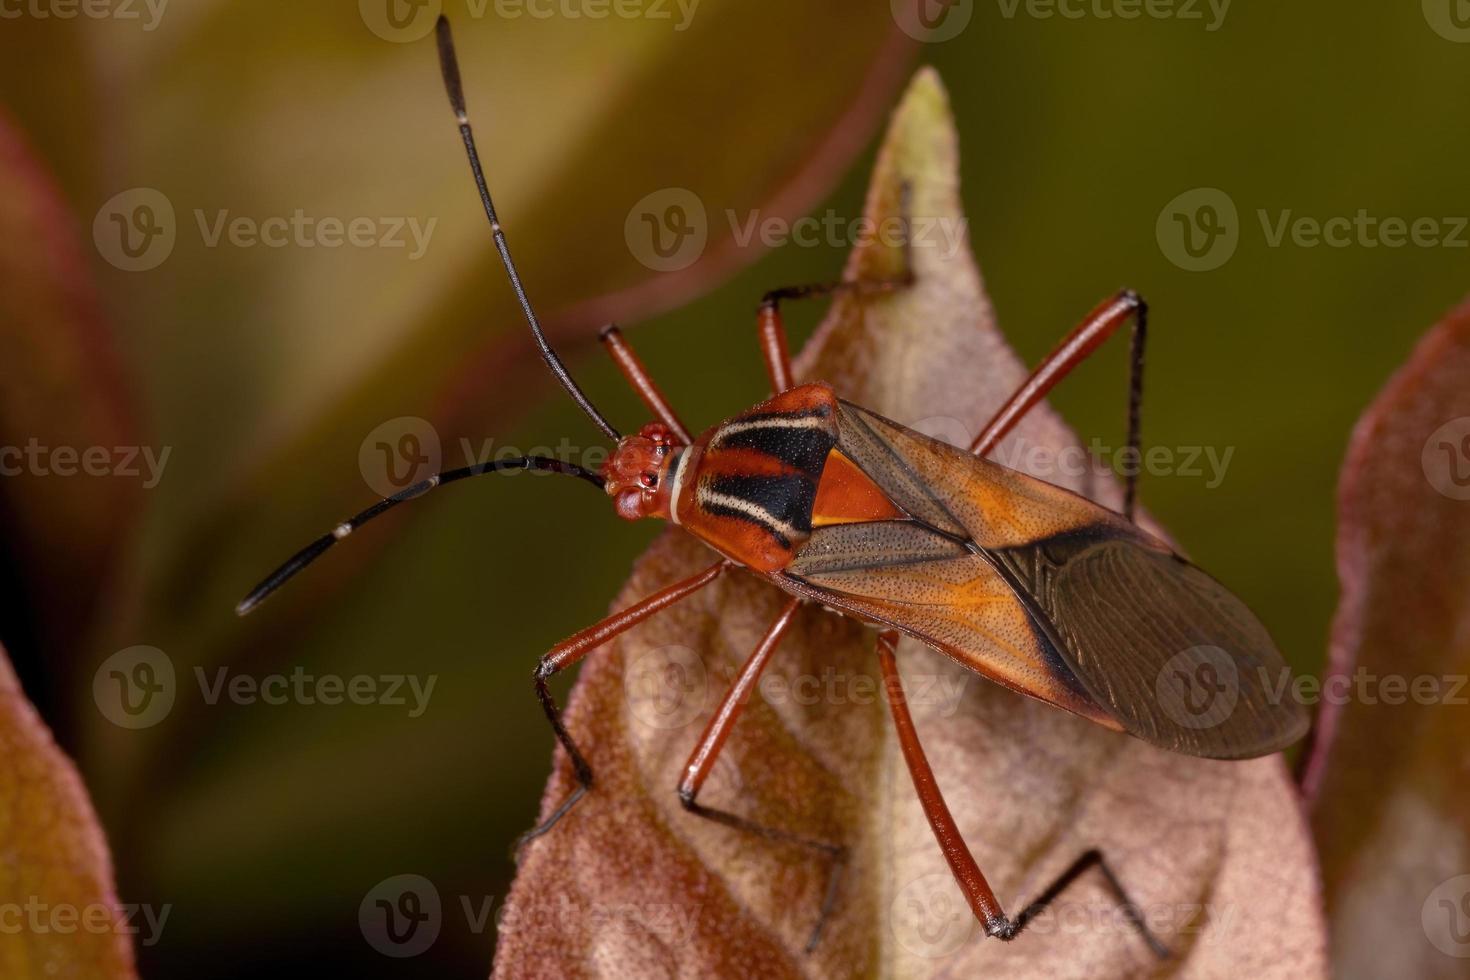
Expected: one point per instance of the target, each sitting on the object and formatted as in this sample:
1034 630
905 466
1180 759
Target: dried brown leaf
630 884
1391 801
61 917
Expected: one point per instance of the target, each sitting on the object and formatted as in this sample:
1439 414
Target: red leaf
1391 801
64 395
62 917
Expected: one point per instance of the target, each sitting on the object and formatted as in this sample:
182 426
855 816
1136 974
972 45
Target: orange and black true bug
1025 583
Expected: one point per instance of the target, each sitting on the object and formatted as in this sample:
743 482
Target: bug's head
637 470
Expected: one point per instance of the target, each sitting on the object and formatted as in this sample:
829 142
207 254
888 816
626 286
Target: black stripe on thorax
801 447
787 499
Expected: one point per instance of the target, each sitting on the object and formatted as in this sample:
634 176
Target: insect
1028 584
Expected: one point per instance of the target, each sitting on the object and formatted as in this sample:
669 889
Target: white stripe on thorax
681 472
707 497
733 428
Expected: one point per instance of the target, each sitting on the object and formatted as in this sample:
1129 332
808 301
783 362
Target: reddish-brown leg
702 761
574 648
774 349
638 376
967 874
772 329
1075 348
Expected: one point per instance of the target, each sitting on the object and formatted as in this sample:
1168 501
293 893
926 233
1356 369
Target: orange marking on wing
846 495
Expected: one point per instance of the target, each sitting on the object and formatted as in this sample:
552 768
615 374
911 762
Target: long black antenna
450 66
313 551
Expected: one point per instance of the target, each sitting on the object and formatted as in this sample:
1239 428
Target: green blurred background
264 369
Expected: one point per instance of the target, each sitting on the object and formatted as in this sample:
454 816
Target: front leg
571 650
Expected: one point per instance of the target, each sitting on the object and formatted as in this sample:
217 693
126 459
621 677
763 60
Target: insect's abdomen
748 486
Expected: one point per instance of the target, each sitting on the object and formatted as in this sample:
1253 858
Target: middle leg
702 761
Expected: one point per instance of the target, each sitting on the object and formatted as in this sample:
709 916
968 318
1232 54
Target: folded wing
1051 595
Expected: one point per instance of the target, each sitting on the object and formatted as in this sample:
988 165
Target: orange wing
1049 594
